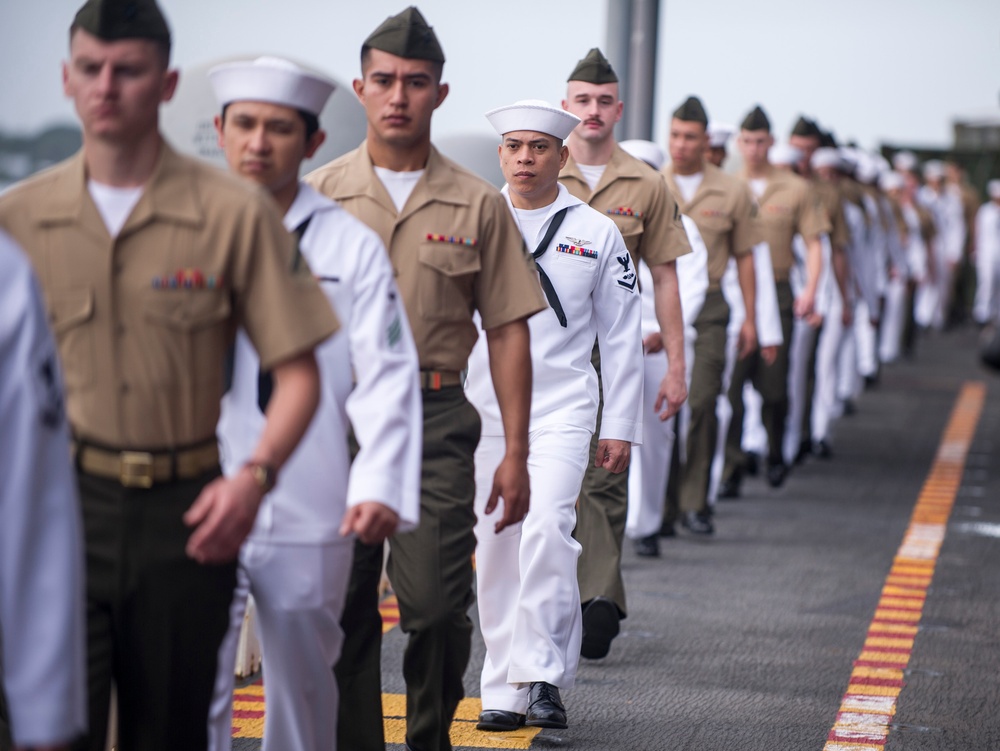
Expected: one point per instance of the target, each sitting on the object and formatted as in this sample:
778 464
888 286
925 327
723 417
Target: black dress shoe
648 547
751 462
600 626
499 720
545 708
668 530
822 449
776 474
698 523
730 487
805 448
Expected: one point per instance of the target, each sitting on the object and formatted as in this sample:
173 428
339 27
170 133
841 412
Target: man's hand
747 341
815 320
510 483
222 516
653 343
805 304
613 455
673 392
769 354
371 521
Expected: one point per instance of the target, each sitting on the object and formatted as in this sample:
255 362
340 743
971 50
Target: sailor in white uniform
528 596
296 562
649 471
986 307
41 541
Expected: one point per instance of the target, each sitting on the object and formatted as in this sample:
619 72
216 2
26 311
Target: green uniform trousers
155 617
706 385
771 382
431 573
600 522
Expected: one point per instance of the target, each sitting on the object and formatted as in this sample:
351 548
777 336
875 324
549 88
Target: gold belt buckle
136 470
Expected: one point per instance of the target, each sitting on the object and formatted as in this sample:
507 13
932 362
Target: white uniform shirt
373 347
768 323
692 283
41 551
591 271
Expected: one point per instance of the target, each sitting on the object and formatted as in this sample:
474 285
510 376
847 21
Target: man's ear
315 141
442 94
218 132
359 89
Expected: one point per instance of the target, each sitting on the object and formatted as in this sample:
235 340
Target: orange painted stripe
868 705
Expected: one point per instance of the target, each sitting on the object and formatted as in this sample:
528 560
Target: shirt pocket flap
188 310
70 308
450 259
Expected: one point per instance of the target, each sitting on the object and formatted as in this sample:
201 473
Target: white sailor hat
904 161
719 134
533 114
273 80
891 181
933 169
993 188
645 151
826 157
784 153
866 168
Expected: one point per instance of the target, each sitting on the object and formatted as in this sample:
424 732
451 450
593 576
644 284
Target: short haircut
162 47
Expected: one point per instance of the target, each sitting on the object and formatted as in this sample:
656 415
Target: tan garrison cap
756 120
805 127
594 68
406 35
111 20
692 111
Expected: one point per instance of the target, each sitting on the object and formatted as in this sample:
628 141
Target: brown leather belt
142 469
435 380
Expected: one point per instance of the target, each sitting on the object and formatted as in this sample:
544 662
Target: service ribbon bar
624 211
470 241
574 250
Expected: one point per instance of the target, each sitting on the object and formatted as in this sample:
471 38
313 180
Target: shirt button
123 389
120 329
119 267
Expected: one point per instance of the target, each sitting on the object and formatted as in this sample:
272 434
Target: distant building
978 131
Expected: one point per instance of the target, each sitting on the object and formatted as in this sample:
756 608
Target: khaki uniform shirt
635 197
787 207
725 213
454 249
144 320
832 201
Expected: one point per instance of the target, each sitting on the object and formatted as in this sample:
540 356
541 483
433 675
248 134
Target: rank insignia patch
627 279
188 279
625 211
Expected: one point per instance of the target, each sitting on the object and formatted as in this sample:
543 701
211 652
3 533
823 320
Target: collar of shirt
169 194
438 183
563 200
621 166
307 202
713 181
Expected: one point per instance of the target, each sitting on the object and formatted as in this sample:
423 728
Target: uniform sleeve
506 287
768 321
385 407
619 336
41 555
813 220
277 300
745 233
663 235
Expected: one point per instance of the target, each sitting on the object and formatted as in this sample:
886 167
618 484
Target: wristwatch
263 474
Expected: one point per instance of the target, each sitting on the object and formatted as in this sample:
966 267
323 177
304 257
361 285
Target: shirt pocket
447 275
71 313
188 335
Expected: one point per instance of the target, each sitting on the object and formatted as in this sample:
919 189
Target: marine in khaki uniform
602 174
787 206
455 250
149 262
723 209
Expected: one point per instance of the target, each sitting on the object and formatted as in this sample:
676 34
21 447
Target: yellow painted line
463 729
869 704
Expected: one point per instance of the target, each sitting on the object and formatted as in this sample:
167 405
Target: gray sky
874 70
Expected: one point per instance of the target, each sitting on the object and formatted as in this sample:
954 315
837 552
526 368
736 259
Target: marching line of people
276 386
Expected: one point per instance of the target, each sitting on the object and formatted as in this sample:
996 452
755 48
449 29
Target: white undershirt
592 173
757 185
399 184
530 222
114 204
688 184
